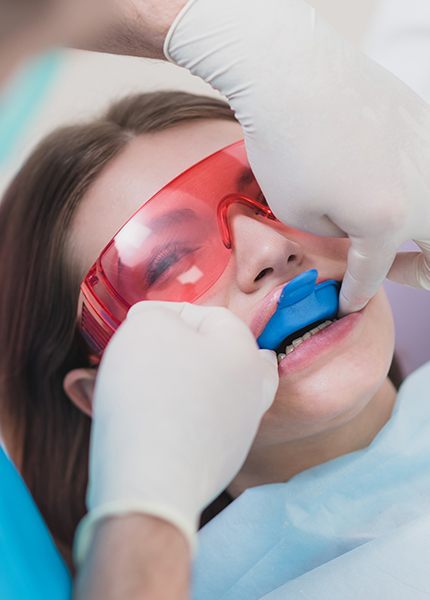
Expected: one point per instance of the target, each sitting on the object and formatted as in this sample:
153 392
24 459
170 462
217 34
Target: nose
264 254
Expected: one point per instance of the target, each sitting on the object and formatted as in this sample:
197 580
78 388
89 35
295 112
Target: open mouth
303 309
292 341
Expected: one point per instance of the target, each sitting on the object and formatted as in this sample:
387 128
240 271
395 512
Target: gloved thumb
413 268
270 357
368 265
270 375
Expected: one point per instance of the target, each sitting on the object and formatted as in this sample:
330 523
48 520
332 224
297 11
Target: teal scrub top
309 537
22 98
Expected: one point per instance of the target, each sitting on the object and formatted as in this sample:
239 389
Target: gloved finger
149 305
368 264
424 264
220 324
214 321
271 377
190 314
412 268
157 320
270 357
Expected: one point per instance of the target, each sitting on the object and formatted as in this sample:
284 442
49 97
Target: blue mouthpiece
301 304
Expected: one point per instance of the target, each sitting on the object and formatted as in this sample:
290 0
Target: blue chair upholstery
30 566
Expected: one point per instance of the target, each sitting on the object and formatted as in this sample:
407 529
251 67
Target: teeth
306 336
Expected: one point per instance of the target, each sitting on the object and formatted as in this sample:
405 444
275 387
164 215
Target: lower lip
325 341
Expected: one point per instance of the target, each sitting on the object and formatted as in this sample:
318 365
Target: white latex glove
178 400
338 144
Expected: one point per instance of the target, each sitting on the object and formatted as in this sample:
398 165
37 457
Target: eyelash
261 198
171 254
174 253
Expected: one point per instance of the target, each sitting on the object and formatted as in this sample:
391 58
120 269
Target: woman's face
323 383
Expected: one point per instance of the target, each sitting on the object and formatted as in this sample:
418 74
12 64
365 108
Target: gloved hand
338 145
178 400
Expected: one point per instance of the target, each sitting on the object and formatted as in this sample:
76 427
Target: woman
74 192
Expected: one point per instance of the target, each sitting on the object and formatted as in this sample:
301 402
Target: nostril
263 273
292 257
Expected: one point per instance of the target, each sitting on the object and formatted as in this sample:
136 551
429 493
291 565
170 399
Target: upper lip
268 307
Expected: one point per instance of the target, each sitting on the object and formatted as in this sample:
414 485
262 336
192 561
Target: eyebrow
171 218
245 179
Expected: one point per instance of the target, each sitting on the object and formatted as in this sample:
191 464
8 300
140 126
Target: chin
333 390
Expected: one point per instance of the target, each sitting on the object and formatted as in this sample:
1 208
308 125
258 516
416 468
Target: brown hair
40 289
39 296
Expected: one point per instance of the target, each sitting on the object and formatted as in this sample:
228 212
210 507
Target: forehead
145 165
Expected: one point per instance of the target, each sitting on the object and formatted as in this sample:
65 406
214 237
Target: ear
79 386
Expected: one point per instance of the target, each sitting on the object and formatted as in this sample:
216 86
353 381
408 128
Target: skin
128 27
336 403
157 569
136 28
33 26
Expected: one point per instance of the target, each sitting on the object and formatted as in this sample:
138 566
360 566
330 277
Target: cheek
220 294
325 397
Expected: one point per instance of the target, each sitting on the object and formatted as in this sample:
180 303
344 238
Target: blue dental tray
302 303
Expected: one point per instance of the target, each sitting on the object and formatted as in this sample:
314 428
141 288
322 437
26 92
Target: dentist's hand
179 396
339 145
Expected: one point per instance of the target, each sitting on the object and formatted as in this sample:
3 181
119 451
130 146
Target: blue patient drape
275 534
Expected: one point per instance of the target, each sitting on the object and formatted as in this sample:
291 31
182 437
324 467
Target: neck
278 463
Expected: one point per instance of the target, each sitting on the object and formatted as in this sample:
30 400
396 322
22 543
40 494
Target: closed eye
165 259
